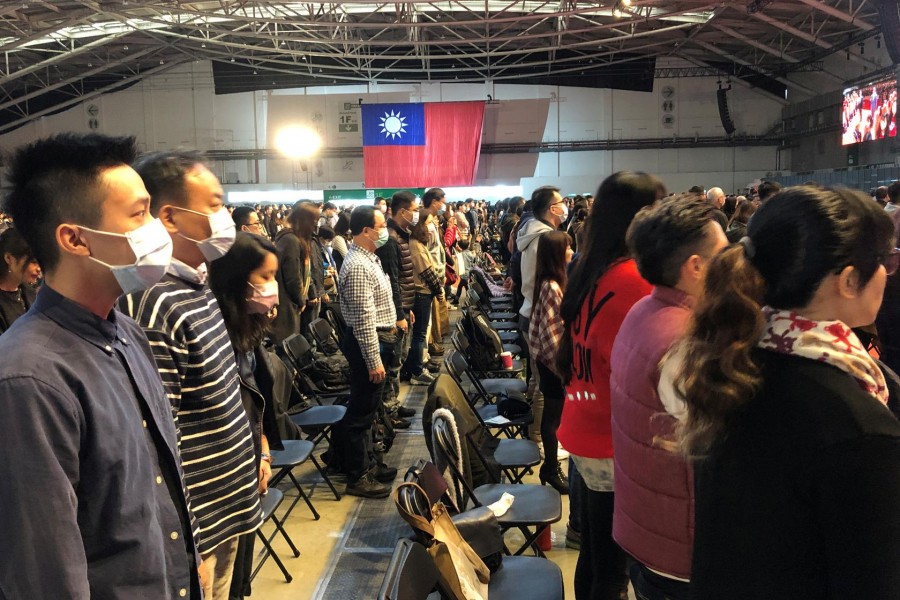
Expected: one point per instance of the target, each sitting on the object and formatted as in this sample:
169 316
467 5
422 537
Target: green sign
365 195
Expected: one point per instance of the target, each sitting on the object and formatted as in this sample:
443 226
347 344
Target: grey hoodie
527 243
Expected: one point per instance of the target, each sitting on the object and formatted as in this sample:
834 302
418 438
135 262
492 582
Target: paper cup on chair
506 360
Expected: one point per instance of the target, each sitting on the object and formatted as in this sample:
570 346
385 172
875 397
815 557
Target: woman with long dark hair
243 282
294 269
19 272
545 332
603 286
798 470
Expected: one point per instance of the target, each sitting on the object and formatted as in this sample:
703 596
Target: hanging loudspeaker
724 115
889 15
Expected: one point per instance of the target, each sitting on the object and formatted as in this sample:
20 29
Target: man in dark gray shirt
92 503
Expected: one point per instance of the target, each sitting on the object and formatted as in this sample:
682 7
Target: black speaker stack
724 115
889 15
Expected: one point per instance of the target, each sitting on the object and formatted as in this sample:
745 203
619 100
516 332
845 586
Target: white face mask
415 218
264 298
152 247
220 240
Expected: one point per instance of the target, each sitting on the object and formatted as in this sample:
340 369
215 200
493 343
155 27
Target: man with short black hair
196 360
368 309
893 197
672 242
247 219
329 215
767 189
434 202
550 212
397 263
881 195
92 503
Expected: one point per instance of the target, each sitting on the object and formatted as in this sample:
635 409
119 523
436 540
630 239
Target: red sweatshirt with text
585 428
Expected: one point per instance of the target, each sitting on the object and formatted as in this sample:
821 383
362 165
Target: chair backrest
443 437
299 351
411 574
427 476
325 337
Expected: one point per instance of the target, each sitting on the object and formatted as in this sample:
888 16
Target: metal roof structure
56 54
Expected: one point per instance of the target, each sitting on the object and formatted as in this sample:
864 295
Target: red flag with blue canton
421 144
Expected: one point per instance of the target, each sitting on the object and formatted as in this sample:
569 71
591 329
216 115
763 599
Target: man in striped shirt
196 362
368 308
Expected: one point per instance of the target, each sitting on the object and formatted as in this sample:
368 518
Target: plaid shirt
366 302
546 327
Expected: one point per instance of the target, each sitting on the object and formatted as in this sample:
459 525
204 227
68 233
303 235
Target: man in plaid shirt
368 308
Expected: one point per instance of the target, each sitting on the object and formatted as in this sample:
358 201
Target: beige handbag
461 572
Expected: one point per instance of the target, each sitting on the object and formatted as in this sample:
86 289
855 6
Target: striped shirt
366 301
196 362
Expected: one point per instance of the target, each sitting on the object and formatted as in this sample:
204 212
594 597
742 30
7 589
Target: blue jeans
415 359
650 586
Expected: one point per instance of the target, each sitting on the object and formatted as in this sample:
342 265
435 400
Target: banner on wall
413 145
367 196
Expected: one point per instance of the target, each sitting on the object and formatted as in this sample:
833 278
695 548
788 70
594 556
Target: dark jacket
265 393
9 312
802 498
317 268
291 295
736 232
396 261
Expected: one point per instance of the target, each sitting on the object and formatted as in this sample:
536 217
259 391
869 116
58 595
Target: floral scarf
831 342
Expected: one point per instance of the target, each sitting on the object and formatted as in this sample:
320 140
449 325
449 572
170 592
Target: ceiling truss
76 48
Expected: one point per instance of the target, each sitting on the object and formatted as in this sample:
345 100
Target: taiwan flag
421 144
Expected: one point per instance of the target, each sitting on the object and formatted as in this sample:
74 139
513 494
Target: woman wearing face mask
243 282
18 278
427 280
544 335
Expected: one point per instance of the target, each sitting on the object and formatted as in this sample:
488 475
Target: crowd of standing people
703 370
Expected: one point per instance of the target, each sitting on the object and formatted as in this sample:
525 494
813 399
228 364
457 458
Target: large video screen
869 112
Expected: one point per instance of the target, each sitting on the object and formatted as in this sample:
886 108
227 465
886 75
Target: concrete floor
317 540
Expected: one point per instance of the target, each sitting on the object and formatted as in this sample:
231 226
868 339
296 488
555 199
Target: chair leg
303 495
280 529
325 476
270 552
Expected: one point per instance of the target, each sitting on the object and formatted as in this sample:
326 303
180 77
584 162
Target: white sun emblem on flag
393 125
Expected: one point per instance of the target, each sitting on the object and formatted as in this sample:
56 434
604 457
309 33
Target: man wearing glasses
247 219
368 307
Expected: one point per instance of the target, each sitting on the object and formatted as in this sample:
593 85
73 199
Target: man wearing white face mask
434 202
549 213
365 296
195 359
92 502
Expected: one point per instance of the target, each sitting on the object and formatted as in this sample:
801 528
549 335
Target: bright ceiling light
626 2
297 142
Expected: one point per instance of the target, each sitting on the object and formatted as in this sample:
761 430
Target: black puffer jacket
397 263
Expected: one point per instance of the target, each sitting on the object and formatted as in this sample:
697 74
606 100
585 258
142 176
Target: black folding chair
324 334
411 574
295 453
488 413
473 298
534 509
300 353
316 421
464 345
270 503
518 578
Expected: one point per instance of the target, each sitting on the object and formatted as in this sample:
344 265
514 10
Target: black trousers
554 399
600 572
355 435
